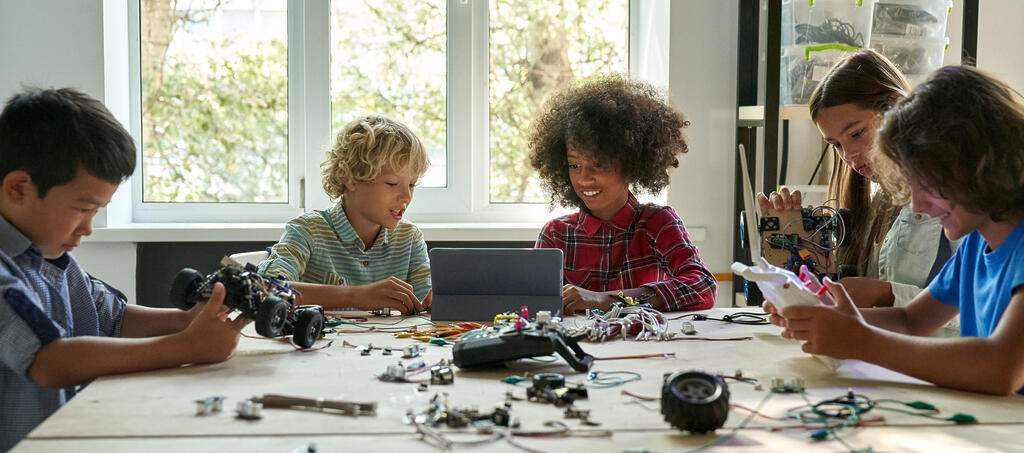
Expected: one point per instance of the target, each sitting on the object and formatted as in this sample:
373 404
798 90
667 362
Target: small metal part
395 372
572 412
688 328
249 410
386 351
543 317
795 385
441 375
209 404
365 350
423 387
410 351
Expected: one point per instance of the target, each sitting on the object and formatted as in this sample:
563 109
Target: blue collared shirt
42 300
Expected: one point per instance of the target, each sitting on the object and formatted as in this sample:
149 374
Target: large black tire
308 326
271 316
694 401
185 288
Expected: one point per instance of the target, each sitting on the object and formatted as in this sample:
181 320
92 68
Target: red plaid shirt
643 245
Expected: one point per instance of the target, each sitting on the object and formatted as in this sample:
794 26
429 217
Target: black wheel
184 289
694 401
307 328
271 316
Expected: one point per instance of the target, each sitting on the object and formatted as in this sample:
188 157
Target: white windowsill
258 232
267 232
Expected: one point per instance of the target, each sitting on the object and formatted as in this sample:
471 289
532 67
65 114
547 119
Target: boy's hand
834 331
198 307
211 336
779 201
773 316
576 299
428 300
391 292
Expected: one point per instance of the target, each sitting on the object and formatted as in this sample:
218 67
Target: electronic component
209 404
249 409
441 413
511 340
806 237
550 388
795 385
441 375
411 351
695 401
688 328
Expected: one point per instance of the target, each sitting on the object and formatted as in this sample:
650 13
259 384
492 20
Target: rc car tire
271 316
183 290
694 401
308 326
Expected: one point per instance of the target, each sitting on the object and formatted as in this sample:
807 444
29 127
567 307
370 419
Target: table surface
155 410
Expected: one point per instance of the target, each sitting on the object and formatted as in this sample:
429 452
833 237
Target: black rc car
270 303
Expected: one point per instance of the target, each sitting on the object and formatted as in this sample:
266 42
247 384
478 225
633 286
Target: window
239 99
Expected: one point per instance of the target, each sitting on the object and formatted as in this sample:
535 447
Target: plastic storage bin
911 18
810 22
802 67
916 57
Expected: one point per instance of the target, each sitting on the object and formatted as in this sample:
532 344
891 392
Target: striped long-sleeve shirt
322 247
642 245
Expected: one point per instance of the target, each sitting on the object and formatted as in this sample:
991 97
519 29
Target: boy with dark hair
62 156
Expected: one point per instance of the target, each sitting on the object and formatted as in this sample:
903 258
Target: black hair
52 134
625 124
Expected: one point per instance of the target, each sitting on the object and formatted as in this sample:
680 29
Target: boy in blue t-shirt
959 142
62 155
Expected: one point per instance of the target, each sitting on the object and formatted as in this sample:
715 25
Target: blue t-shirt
981 281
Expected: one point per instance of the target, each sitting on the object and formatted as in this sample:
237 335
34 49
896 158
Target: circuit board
809 237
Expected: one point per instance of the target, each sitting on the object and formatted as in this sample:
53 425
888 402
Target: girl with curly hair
958 140
361 253
596 143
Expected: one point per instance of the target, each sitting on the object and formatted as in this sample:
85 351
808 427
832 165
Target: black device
695 401
495 345
270 303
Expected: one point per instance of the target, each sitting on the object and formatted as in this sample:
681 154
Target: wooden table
155 411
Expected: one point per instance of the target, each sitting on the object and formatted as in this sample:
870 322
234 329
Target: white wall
53 44
702 80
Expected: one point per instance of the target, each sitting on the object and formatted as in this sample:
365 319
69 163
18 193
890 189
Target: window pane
537 48
388 56
214 101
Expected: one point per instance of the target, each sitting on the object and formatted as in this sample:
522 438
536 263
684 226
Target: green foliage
216 122
219 127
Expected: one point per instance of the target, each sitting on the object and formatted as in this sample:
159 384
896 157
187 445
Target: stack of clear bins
815 34
912 34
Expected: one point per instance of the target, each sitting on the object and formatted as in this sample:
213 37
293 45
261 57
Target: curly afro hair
624 123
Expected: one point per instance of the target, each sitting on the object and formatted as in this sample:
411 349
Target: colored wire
606 379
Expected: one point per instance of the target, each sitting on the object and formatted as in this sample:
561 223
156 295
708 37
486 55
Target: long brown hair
867 80
960 135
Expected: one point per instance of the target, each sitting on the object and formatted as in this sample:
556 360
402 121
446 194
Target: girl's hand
779 201
576 299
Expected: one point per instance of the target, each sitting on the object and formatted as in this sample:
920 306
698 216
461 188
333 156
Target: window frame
466 196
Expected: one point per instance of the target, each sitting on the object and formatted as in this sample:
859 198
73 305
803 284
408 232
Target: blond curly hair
368 145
